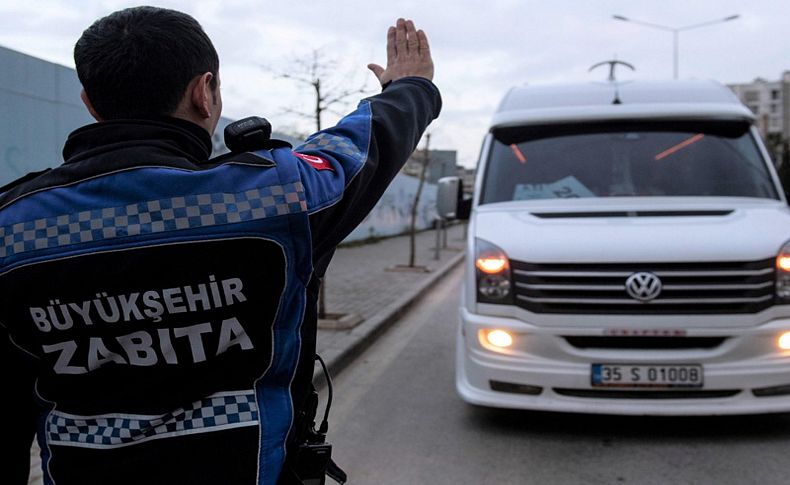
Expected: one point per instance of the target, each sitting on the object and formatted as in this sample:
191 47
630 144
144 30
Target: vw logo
643 286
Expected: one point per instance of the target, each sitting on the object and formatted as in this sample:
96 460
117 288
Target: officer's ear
89 105
201 95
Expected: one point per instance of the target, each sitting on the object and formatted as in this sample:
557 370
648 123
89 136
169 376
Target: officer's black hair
138 62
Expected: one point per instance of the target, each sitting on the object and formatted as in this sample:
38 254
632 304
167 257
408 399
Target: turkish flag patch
317 163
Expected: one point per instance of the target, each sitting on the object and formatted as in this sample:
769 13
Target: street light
675 31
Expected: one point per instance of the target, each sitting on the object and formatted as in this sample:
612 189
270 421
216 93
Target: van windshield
626 159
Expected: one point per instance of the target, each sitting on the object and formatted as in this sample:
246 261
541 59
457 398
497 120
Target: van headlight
493 273
783 274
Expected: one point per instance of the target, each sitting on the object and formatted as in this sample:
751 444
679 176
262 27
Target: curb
368 331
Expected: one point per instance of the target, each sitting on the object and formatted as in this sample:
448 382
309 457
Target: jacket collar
174 135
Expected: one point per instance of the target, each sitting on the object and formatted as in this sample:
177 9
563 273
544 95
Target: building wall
40 105
392 215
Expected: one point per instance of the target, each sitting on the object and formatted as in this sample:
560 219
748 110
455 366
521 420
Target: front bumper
745 374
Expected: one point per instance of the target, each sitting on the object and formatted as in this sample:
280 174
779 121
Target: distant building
770 102
442 164
467 178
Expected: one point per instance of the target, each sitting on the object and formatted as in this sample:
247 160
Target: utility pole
426 159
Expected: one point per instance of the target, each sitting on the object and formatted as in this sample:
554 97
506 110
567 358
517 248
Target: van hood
636 229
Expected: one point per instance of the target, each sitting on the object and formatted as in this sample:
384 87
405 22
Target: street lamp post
675 32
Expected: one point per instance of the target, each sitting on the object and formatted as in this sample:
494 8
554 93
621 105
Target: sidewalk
358 282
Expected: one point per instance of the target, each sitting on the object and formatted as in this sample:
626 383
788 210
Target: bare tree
426 159
319 73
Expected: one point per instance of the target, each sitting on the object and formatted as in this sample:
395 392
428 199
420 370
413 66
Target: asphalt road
397 420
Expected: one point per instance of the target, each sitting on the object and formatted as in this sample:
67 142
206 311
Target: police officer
159 308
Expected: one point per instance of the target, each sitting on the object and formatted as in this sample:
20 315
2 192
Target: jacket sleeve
349 166
18 408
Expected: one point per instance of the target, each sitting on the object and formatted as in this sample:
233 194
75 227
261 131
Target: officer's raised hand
408 54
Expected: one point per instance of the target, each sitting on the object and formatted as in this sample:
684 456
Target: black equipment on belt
313 461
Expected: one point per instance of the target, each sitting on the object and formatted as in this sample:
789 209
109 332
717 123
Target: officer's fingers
411 38
424 48
391 53
377 70
400 38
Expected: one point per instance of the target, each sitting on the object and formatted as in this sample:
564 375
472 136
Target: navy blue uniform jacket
158 308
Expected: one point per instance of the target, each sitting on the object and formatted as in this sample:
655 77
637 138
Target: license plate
623 375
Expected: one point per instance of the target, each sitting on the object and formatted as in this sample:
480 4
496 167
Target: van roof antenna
612 64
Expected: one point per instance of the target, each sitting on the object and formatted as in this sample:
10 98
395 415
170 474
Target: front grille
687 288
619 394
642 343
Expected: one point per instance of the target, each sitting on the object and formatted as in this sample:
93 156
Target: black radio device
248 134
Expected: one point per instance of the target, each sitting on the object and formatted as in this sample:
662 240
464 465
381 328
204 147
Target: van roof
638 100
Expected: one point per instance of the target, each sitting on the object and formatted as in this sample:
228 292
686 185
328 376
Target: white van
628 253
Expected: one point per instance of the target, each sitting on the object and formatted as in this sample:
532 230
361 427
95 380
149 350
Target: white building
770 102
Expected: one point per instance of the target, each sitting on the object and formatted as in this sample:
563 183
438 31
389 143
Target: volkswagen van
628 253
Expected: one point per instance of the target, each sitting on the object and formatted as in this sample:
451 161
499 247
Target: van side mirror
450 203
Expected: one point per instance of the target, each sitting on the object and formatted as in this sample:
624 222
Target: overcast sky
480 48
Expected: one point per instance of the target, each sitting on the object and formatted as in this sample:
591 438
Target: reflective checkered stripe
215 413
327 142
153 216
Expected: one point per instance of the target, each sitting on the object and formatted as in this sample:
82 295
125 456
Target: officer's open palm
408 54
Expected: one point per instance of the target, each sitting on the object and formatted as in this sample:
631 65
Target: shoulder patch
317 163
